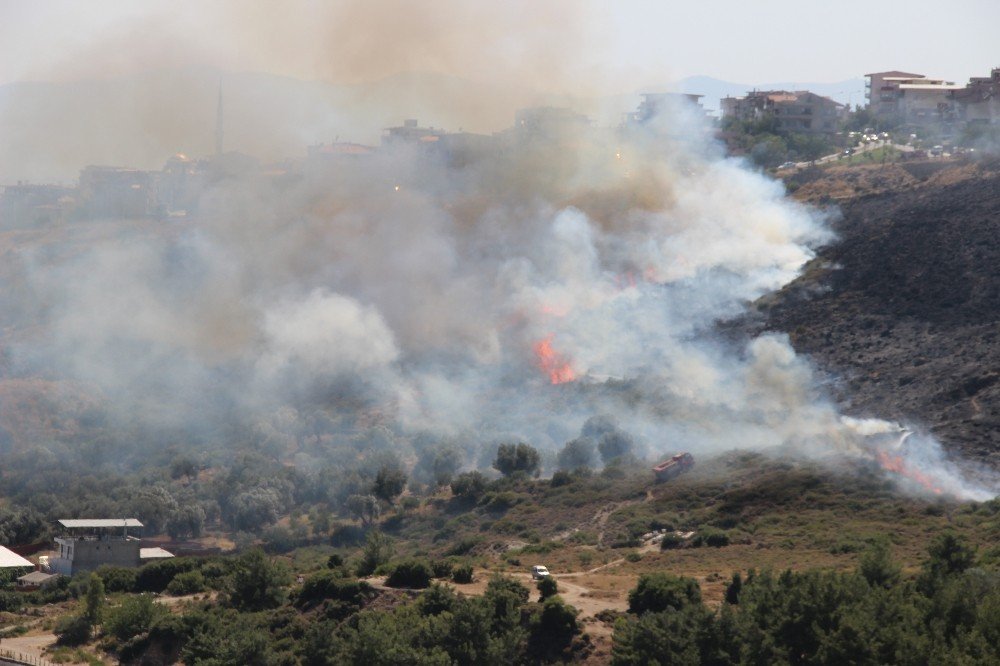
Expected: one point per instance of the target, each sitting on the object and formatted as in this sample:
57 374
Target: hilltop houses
799 111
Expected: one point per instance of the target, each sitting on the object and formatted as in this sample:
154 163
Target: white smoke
325 334
449 298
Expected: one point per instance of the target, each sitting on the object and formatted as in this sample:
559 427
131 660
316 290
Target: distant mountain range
48 131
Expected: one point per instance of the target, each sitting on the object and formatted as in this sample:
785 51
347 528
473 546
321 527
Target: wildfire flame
552 363
897 464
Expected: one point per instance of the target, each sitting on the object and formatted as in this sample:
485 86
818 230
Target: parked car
539 572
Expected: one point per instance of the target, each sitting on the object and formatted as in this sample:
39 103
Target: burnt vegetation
902 309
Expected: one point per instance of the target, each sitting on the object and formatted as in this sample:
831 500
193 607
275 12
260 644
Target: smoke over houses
444 286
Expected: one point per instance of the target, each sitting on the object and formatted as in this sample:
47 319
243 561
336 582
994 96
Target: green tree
389 483
769 150
547 587
614 445
414 574
877 566
734 588
949 554
514 458
577 454
258 583
183 467
378 550
659 591
552 630
469 486
673 636
134 616
95 600
364 507
72 630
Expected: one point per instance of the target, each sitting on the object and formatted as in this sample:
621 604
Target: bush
117 579
330 585
10 602
377 551
134 616
257 583
561 478
633 556
436 600
659 591
155 577
715 538
414 574
72 630
189 582
553 629
469 486
441 568
514 458
462 574
671 541
578 453
547 587
345 536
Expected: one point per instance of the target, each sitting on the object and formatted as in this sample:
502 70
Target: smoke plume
512 291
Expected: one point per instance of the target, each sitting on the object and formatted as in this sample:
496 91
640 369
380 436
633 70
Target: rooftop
921 86
36 577
9 558
96 523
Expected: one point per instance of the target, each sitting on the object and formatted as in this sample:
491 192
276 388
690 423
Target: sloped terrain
903 309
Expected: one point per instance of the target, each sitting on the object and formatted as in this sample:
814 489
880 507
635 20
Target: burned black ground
902 309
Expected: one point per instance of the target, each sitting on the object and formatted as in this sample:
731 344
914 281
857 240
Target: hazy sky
613 46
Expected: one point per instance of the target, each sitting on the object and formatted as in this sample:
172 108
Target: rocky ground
903 309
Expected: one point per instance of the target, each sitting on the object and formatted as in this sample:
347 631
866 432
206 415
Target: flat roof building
93 542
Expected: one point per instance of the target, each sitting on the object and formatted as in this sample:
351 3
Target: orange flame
898 465
552 363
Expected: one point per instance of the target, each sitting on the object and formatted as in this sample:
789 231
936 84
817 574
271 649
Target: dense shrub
72 630
871 616
118 579
257 583
189 582
552 630
133 616
714 538
414 574
462 574
561 478
441 568
547 587
155 577
659 591
331 585
469 486
9 601
517 458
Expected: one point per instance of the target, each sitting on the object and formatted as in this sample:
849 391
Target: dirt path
32 646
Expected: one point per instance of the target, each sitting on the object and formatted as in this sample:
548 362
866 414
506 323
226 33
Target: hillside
902 309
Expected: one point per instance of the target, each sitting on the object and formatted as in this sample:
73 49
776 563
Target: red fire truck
674 466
